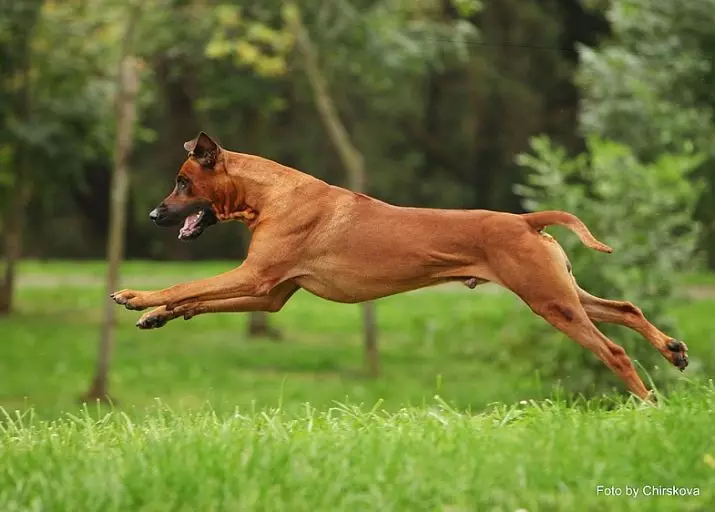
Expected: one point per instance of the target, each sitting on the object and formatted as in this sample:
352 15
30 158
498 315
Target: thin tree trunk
352 158
20 191
128 86
258 323
13 233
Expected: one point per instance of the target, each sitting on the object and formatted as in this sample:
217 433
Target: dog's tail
539 220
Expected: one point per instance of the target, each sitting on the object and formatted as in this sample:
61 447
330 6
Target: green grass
531 456
431 342
194 427
447 340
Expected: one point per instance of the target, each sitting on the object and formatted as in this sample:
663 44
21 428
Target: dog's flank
348 247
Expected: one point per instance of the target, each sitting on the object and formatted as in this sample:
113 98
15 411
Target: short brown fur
347 247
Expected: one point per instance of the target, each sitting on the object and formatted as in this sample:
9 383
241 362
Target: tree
649 86
353 160
66 84
259 325
643 210
248 41
21 21
438 108
127 89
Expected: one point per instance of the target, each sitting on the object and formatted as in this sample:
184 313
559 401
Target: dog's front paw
155 318
130 299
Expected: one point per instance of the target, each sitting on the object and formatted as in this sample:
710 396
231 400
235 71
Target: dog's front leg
246 280
270 303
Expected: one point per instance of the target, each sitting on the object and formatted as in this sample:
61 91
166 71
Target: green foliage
382 49
70 88
644 212
650 86
252 43
437 104
630 95
527 456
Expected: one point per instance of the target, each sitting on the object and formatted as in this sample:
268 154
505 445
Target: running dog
348 247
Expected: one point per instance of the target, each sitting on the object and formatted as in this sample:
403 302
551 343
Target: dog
348 247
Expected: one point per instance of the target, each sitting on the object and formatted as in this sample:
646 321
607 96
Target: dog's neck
252 183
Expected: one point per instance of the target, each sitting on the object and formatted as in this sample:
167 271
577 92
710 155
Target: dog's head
197 189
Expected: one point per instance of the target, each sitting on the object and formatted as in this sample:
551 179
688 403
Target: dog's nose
154 214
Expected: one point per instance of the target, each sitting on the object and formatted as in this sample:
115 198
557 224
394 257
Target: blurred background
603 108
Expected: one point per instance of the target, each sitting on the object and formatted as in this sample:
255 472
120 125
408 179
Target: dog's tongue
190 224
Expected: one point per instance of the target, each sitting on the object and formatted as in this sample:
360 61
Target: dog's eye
182 183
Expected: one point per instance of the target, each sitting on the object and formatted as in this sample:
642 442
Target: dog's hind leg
270 303
626 314
538 275
570 318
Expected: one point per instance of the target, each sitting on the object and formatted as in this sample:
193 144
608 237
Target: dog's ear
204 149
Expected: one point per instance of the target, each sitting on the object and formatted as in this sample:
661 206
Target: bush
645 213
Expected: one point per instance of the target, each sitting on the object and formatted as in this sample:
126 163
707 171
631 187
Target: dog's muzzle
162 216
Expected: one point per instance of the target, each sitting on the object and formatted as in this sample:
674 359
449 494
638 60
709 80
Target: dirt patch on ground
56 281
700 292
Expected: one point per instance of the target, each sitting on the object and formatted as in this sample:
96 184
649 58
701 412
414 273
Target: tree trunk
259 327
352 158
258 324
128 86
20 190
13 233
175 78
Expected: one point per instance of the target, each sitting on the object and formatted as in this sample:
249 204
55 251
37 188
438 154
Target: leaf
228 16
218 47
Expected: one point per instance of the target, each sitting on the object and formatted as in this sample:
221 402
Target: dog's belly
353 290
372 277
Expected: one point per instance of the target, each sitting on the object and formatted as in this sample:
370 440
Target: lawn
196 427
532 456
443 340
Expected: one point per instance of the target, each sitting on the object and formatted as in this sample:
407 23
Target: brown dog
348 247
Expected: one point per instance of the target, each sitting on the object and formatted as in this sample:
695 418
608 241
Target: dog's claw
677 346
679 353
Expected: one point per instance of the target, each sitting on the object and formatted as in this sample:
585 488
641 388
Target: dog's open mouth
195 224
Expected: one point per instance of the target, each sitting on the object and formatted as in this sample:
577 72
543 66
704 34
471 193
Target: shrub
645 213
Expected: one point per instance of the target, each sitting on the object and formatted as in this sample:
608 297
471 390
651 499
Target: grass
447 340
208 420
531 456
431 342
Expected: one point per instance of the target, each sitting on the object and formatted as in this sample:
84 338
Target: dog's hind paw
154 319
678 354
153 322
